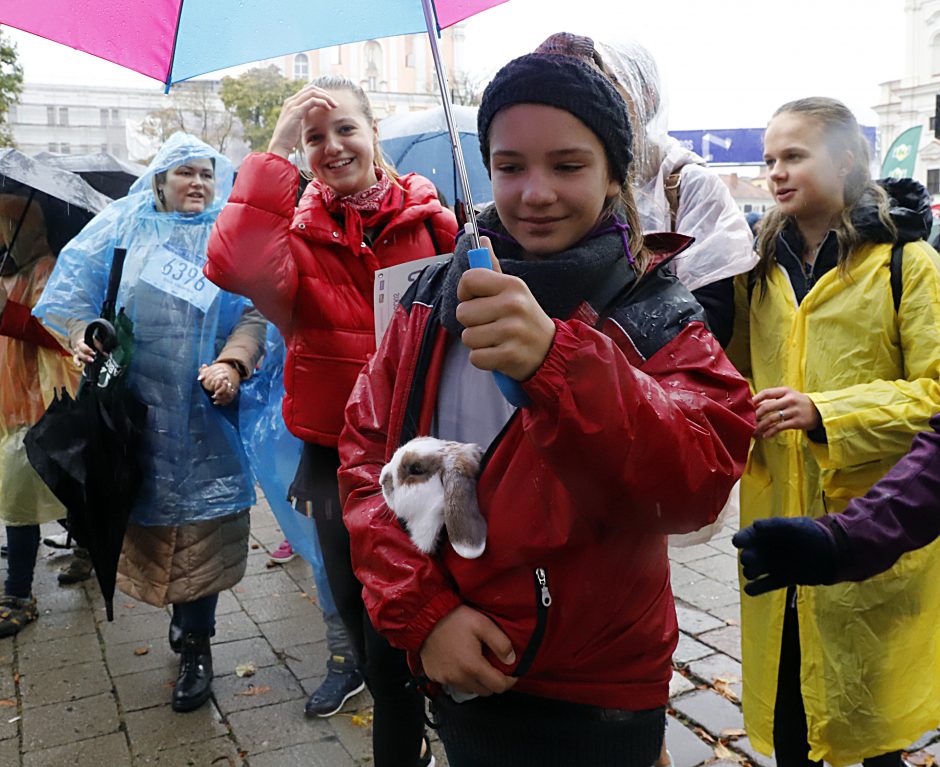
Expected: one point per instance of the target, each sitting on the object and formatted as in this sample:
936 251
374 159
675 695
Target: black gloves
778 552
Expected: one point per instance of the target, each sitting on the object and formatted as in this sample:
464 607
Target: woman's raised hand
289 127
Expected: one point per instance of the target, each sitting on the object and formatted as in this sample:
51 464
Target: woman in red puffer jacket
310 270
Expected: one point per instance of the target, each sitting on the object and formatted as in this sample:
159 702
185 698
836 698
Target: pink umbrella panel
174 40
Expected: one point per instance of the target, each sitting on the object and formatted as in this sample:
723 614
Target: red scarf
370 208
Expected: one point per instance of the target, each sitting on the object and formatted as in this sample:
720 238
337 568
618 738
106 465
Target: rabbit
430 484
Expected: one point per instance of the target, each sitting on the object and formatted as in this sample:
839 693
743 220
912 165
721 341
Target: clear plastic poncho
193 463
723 244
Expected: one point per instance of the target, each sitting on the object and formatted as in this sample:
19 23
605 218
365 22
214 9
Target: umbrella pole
16 233
431 23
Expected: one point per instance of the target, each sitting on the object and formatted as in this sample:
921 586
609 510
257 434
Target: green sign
902 156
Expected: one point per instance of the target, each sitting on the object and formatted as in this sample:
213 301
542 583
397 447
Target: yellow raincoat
870 668
28 374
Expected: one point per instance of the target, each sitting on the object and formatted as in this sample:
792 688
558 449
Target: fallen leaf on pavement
733 732
362 720
245 669
141 650
255 546
704 735
261 689
271 564
7 703
16 678
723 687
922 759
731 621
224 758
723 752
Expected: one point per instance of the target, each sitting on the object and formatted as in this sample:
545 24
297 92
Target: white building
396 72
911 100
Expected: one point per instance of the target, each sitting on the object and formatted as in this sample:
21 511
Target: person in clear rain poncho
193 345
675 192
32 366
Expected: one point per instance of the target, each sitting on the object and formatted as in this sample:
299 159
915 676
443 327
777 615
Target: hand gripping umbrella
86 450
174 40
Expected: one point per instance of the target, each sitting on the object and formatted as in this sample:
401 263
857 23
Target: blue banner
735 146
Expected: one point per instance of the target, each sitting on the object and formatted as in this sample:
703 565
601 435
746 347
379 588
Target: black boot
194 684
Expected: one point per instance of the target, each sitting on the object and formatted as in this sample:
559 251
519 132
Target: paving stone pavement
76 690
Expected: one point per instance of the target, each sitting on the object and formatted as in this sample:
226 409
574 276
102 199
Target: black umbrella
66 200
105 172
87 449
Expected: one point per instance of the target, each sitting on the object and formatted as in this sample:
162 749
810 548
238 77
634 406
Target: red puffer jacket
636 428
313 278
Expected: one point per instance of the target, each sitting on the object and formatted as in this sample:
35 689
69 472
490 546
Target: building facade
911 100
397 73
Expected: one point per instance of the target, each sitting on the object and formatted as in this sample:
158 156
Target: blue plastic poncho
194 465
273 451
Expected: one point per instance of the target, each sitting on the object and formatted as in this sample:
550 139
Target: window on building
115 116
410 51
301 67
104 117
63 115
65 148
53 147
748 207
336 55
373 60
935 55
50 116
933 181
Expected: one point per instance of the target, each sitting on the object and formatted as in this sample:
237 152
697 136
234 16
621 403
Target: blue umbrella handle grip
510 388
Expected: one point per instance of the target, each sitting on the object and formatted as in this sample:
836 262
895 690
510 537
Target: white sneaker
59 541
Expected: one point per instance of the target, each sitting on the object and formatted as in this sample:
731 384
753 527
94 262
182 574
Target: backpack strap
671 188
430 227
897 274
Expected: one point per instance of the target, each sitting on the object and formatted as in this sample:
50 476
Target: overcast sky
726 63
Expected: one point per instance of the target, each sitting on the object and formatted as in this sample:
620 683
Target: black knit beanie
568 83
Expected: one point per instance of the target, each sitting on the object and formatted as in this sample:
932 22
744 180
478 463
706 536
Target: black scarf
559 284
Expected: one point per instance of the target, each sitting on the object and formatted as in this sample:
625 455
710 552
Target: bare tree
193 107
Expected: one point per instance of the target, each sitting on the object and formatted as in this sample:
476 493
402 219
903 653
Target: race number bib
178 277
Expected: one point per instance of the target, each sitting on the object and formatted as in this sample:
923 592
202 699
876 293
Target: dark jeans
517 730
22 546
791 740
398 714
196 617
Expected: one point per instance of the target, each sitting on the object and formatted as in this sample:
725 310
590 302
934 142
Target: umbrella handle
510 388
102 331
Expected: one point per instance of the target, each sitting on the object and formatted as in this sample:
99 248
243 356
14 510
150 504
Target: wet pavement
76 690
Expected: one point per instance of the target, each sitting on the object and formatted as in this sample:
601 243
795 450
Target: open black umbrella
87 449
105 172
67 201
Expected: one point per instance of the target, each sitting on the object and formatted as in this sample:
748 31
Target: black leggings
22 547
791 740
398 714
517 730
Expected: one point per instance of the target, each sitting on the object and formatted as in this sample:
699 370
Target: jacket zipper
543 600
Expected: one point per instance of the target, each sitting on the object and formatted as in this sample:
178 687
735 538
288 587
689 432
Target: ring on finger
781 416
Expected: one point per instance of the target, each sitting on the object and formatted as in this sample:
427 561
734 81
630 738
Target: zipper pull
542 579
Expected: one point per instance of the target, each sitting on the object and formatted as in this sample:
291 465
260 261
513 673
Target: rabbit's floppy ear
466 527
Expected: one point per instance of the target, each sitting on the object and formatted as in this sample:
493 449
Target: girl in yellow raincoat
32 366
844 381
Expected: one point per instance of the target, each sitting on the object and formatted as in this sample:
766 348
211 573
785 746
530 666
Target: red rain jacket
636 429
314 280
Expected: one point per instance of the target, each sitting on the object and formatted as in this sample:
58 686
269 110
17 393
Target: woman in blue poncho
193 346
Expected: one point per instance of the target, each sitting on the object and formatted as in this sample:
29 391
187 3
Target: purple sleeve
899 514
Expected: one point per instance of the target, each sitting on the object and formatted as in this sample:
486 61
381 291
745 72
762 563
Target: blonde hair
340 83
625 203
841 134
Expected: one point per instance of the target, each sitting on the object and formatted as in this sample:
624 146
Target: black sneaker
343 680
